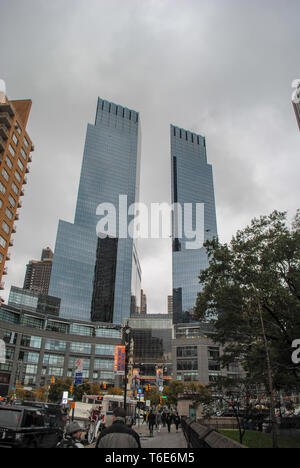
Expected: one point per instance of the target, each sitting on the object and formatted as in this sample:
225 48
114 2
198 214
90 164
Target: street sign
78 378
65 398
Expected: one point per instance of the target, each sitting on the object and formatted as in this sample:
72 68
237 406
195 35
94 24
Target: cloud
222 68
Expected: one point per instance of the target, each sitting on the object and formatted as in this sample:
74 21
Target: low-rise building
41 346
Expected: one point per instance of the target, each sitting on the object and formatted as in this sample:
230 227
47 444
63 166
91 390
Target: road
162 439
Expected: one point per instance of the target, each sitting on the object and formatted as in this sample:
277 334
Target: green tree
152 395
56 390
115 391
252 291
200 394
172 390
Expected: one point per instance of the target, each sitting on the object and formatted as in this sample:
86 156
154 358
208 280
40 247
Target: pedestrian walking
169 421
163 418
158 421
151 422
177 421
118 435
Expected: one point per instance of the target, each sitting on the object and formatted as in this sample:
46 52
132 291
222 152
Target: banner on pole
119 360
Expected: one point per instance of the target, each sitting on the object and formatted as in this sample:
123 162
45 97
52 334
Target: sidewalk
162 439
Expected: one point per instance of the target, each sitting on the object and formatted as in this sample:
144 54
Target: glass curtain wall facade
192 182
110 167
152 348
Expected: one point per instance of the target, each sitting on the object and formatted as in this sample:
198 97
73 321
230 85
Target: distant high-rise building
143 303
296 104
192 183
170 305
98 278
15 149
38 273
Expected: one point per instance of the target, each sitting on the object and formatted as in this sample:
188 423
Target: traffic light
52 380
71 389
104 384
160 399
149 387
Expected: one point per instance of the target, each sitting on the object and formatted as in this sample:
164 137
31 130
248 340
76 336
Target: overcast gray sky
222 68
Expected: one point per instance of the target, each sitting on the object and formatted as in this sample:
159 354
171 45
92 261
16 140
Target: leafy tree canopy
259 271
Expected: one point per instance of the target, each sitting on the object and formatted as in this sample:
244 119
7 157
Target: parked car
53 413
25 427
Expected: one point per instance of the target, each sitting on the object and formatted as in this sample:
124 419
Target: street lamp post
127 339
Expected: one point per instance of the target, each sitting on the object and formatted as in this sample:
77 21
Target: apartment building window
187 364
104 349
2 242
20 164
5 227
11 200
81 348
24 155
213 352
31 341
2 188
55 345
18 177
8 162
18 128
5 175
10 338
9 214
29 356
187 351
15 139
54 360
11 150
15 188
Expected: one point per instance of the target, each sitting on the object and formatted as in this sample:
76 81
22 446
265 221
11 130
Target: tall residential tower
97 278
15 149
38 273
192 183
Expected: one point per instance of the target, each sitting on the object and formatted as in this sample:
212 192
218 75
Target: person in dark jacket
118 435
177 421
151 422
169 420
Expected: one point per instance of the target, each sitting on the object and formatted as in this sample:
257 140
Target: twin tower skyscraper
99 278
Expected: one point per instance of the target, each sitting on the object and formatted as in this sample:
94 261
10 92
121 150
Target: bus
111 402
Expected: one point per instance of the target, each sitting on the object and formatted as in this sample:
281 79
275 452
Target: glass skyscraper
192 183
96 278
